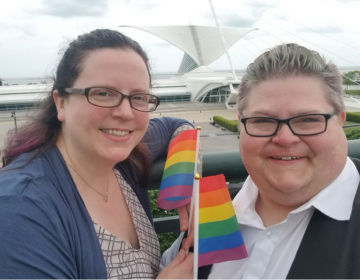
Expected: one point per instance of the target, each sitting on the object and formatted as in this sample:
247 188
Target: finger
180 257
187 267
189 260
188 241
183 217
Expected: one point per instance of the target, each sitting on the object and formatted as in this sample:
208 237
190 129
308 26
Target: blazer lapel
330 248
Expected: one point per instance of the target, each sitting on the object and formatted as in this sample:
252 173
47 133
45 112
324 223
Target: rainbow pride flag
219 236
178 177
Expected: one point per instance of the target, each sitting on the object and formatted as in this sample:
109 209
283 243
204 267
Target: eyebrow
136 91
271 114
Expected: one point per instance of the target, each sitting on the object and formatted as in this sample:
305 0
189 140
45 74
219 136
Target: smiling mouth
115 132
285 158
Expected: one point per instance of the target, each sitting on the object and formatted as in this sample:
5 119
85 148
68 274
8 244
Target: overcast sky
33 32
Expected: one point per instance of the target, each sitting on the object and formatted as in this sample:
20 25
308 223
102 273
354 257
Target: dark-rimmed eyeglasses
303 125
108 98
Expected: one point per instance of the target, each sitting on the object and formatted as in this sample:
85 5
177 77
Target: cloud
259 7
239 21
73 8
142 4
16 30
321 29
261 4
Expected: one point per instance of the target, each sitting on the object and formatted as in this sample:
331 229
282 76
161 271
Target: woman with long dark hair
73 198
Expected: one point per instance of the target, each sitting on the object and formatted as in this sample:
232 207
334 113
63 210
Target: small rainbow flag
178 177
219 236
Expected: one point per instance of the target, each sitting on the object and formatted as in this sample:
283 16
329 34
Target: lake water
48 80
165 75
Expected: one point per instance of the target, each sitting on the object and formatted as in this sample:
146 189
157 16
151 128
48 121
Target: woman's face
98 133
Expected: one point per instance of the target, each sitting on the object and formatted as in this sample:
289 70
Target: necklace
105 196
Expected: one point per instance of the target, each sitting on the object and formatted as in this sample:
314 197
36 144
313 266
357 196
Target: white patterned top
122 261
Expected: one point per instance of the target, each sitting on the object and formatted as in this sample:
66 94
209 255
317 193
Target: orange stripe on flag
186 145
214 198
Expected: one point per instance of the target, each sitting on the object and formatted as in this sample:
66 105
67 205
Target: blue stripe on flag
220 242
176 198
177 179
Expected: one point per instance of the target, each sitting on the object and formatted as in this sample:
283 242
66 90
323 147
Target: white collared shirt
272 250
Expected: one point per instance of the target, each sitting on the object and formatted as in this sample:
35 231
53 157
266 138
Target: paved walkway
214 139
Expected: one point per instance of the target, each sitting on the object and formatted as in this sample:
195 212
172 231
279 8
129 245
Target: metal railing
352 98
228 163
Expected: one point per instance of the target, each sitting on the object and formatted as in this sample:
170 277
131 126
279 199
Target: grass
349 122
348 130
352 92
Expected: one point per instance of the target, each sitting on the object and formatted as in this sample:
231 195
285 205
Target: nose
284 136
123 110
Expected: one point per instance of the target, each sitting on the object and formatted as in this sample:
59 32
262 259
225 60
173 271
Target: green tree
167 238
349 77
355 134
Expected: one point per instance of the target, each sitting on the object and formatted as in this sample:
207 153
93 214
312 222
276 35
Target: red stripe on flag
190 134
212 183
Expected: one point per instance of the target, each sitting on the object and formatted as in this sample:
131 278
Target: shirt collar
335 201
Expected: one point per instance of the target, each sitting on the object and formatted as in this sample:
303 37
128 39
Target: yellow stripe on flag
188 156
216 213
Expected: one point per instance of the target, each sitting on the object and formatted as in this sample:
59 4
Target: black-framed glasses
107 98
303 125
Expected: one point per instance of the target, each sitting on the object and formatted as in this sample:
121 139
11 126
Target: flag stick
191 212
195 172
196 225
197 149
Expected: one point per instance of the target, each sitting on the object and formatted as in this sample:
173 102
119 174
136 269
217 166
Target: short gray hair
288 60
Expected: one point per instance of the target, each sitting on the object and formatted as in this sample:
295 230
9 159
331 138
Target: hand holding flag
217 233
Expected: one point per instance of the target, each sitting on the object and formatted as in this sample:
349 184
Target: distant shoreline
158 75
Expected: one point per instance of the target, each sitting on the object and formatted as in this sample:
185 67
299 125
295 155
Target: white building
194 82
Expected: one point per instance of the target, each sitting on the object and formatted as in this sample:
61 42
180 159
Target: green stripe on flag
181 167
219 228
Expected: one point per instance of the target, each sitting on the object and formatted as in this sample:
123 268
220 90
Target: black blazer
330 249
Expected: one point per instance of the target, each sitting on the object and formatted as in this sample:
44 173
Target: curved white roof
202 43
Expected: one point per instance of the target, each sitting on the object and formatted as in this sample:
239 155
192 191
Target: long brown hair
43 129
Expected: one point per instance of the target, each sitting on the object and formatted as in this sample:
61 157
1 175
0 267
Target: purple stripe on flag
232 254
175 191
168 205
